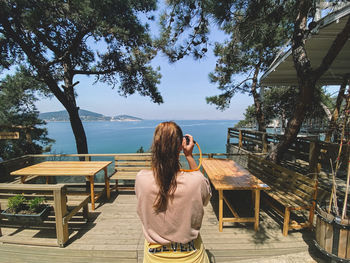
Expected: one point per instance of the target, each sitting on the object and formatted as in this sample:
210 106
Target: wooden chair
292 190
128 165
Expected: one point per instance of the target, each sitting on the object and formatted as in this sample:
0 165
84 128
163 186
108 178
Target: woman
170 202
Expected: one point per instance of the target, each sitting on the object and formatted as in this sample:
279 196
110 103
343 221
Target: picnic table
87 169
225 175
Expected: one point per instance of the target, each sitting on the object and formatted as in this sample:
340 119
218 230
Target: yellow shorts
192 252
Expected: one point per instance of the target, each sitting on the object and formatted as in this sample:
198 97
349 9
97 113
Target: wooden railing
6 167
308 149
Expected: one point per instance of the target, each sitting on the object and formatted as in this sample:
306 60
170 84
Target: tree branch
76 41
47 43
35 60
72 86
326 110
93 72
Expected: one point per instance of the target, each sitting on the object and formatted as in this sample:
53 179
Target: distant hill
85 115
125 118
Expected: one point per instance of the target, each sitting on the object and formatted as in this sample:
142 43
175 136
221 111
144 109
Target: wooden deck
114 234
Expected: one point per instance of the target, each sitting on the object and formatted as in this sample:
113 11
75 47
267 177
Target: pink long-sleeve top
182 220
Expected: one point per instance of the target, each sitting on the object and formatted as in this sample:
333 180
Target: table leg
108 190
257 209
221 209
23 179
91 179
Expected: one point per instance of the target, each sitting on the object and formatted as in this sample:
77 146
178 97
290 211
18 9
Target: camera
188 140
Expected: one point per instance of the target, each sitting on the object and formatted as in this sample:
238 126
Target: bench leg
221 209
86 211
256 209
92 192
107 187
286 221
116 185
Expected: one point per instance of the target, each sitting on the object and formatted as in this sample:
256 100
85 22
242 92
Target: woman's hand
188 149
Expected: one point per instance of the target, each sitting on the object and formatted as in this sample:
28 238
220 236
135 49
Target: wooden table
227 175
71 168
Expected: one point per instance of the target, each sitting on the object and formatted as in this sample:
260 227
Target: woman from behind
170 201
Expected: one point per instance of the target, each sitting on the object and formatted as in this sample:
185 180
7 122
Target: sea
129 136
110 137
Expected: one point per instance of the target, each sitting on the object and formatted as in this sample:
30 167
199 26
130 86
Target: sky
184 87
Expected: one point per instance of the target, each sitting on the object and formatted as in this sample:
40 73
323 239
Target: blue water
128 137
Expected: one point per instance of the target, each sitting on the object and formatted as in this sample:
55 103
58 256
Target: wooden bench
128 165
64 206
294 191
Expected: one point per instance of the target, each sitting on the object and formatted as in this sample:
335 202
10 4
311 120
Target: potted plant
23 211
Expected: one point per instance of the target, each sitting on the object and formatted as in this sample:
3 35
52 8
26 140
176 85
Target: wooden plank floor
114 234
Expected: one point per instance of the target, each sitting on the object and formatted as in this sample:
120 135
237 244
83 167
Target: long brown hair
166 147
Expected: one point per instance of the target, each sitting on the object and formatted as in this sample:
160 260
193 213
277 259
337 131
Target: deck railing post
314 153
264 142
87 181
228 136
240 144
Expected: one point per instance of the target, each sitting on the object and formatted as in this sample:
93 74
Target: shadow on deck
114 234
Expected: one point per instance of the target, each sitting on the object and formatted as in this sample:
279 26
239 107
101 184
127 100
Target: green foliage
279 103
19 202
256 30
16 203
249 118
58 39
35 204
18 112
184 29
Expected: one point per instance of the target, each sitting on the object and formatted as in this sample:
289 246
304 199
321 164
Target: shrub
16 203
35 204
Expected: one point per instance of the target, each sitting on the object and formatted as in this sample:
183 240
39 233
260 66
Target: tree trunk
294 124
67 98
259 113
283 120
73 110
333 122
307 77
78 130
304 73
257 101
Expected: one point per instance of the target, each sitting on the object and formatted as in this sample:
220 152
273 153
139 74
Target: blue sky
184 87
